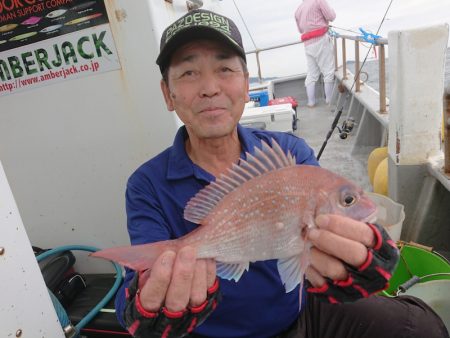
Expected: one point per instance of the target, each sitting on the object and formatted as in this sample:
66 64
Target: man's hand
172 298
349 259
176 281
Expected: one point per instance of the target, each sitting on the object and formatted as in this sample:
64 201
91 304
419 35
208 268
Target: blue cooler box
261 98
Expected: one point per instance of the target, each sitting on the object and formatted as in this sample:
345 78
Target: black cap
195 25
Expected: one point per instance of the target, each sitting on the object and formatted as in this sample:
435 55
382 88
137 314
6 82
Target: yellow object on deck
380 180
375 157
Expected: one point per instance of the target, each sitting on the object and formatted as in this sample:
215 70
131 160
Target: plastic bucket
417 261
434 273
390 214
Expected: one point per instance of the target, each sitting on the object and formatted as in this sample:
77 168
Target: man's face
207 87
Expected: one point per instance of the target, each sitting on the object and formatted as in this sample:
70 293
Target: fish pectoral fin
231 270
291 272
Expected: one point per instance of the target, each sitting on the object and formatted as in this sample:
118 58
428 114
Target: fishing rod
349 123
344 29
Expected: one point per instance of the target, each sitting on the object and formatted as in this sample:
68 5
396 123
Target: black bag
69 288
60 276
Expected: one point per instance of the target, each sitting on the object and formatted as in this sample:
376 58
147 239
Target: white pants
320 59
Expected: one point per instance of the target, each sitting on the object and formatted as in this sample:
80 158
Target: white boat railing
378 43
257 52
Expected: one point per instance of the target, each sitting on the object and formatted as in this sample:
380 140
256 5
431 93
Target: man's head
205 78
197 25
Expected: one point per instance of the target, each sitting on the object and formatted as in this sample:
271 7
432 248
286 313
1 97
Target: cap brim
190 34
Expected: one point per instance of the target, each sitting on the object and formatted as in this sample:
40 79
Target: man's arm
297 18
328 13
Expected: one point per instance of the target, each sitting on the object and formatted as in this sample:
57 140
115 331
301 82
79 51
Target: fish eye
349 200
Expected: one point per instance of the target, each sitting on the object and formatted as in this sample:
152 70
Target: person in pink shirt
313 17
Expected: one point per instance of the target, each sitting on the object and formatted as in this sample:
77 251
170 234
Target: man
313 17
205 80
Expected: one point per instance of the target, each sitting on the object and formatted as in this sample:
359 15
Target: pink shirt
313 14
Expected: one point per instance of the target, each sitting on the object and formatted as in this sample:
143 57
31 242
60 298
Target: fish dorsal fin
262 161
231 271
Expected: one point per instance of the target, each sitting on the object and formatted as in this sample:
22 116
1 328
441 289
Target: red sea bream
259 210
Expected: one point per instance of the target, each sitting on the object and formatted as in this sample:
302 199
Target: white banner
65 57
46 42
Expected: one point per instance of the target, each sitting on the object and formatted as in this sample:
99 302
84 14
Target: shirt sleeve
304 154
146 224
297 19
298 147
328 13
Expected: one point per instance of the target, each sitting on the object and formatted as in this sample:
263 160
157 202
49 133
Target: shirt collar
180 165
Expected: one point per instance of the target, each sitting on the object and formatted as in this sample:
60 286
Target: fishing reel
346 128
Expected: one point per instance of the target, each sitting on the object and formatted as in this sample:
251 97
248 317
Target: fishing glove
164 323
370 278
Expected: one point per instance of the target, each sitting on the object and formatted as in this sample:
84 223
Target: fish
260 209
56 13
32 20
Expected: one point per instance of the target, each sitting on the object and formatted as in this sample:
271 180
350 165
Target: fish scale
257 211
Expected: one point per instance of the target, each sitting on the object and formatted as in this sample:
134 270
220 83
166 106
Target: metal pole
357 70
335 55
447 132
344 61
382 80
259 66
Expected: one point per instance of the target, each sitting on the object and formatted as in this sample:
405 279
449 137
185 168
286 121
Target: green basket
420 261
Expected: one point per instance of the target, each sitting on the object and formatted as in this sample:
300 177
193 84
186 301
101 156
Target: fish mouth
372 218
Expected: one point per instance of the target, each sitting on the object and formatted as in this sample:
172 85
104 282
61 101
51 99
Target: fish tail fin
137 257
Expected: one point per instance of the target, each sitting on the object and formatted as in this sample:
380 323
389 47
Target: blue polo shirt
157 192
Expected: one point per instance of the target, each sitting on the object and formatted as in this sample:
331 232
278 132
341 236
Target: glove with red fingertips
368 279
164 323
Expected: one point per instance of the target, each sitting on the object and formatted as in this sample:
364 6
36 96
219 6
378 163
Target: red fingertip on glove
173 314
214 287
322 289
142 311
378 237
200 308
344 283
368 261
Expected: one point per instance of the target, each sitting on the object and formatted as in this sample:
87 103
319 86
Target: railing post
357 70
447 132
259 66
382 79
335 55
344 61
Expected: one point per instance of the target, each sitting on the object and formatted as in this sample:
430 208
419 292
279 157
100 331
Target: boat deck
314 124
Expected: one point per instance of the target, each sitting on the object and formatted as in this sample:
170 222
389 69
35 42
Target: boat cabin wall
68 148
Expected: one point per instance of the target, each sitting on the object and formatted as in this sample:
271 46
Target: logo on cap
199 19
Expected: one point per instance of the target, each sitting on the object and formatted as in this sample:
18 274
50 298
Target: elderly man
205 81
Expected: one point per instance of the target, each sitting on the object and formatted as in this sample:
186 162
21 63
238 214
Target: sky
272 23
